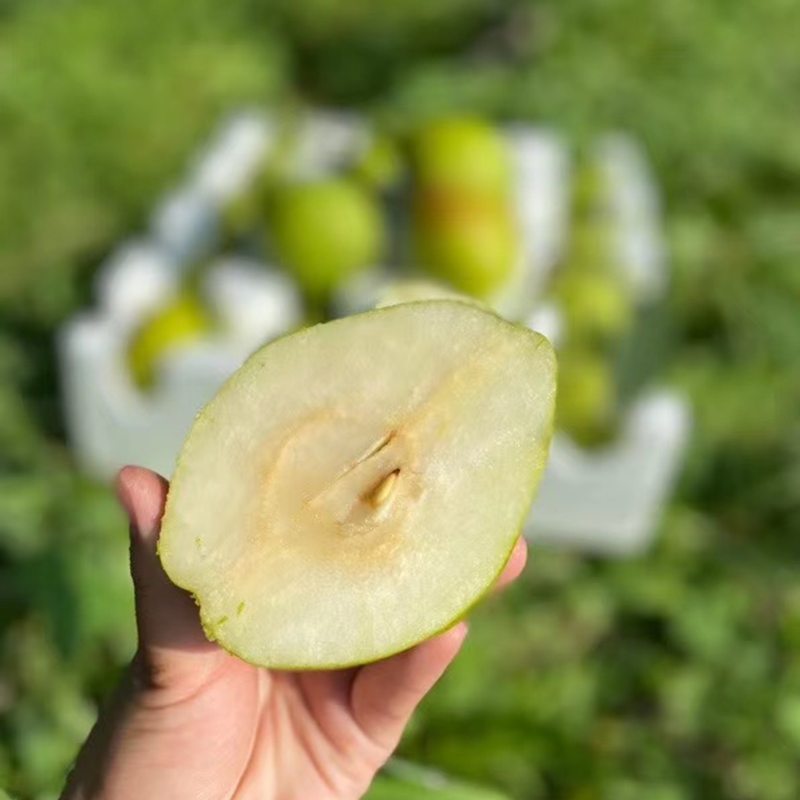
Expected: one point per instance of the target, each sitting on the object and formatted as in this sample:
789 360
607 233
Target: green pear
357 486
326 230
590 190
182 321
471 242
462 154
597 305
587 400
380 166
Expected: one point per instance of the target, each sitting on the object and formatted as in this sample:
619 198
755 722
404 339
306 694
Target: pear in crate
358 485
326 230
597 305
469 241
587 398
180 322
380 166
590 189
462 154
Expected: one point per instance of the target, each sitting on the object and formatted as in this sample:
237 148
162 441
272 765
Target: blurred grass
672 676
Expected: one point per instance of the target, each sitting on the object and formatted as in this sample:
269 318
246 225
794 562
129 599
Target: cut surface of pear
355 487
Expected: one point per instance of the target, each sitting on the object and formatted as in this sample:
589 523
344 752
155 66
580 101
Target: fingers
385 694
514 566
170 635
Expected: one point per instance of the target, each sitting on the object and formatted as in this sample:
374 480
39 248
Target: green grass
671 676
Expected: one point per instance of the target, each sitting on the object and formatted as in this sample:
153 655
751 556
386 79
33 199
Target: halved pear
358 485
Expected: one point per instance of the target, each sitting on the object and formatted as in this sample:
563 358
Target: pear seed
383 491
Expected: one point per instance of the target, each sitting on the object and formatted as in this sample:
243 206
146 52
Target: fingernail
124 495
141 521
460 631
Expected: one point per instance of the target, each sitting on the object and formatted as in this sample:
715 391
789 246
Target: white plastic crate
611 499
608 500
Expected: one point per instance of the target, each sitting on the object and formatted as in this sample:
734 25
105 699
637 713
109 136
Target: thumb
173 651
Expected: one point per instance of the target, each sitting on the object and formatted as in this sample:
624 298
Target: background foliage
670 676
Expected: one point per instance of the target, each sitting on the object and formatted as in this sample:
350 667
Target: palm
191 721
287 735
283 735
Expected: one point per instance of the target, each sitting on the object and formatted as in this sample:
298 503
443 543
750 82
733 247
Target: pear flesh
355 487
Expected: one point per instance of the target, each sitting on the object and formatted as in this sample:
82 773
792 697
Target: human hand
191 722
